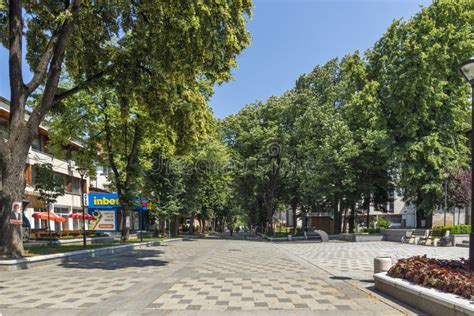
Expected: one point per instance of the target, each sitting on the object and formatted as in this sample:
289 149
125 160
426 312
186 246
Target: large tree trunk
352 218
125 231
191 224
345 220
14 152
420 212
202 223
268 206
13 156
172 226
13 186
294 207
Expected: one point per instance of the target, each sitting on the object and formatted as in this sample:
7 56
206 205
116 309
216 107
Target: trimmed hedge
455 230
452 276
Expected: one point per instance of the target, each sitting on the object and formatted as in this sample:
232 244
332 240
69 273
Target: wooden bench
433 237
414 236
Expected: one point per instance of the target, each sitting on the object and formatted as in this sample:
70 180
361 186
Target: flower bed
452 276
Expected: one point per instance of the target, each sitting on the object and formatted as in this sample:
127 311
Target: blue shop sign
103 200
111 201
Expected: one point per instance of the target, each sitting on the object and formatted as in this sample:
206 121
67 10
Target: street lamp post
82 172
446 179
467 69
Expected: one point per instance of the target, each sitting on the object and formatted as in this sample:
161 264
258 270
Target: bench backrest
439 233
420 232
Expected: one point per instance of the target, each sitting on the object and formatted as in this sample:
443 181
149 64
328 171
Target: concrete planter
428 300
276 239
31 262
360 237
382 264
395 234
461 240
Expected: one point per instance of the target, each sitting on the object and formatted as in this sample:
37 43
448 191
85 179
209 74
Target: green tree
152 49
258 142
325 142
373 164
423 99
49 185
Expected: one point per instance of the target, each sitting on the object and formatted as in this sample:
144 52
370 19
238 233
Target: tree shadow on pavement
138 258
341 278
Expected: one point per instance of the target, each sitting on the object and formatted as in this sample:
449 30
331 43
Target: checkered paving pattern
253 260
29 292
356 260
247 276
82 284
205 275
214 293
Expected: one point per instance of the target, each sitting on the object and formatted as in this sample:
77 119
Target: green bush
455 230
383 223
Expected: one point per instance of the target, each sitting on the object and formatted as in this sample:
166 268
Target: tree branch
17 86
145 18
88 82
108 144
15 48
54 73
42 67
133 153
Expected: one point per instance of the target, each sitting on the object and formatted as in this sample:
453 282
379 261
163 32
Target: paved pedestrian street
209 276
355 261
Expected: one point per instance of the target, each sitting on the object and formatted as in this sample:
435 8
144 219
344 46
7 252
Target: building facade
66 169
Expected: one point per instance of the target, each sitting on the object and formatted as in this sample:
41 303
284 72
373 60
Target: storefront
105 208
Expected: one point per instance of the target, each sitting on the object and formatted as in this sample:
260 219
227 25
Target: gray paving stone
343 307
323 301
193 307
226 282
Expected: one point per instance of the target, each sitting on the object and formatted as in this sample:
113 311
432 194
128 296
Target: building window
36 144
64 213
391 201
63 178
76 223
76 185
39 224
391 207
40 143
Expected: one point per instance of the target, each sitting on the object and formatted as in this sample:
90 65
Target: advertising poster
16 217
105 220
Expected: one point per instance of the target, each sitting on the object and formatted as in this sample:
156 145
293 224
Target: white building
67 204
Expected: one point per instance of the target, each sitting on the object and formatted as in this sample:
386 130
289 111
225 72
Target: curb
31 262
425 299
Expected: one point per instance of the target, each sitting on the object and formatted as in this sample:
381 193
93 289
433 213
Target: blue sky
289 38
